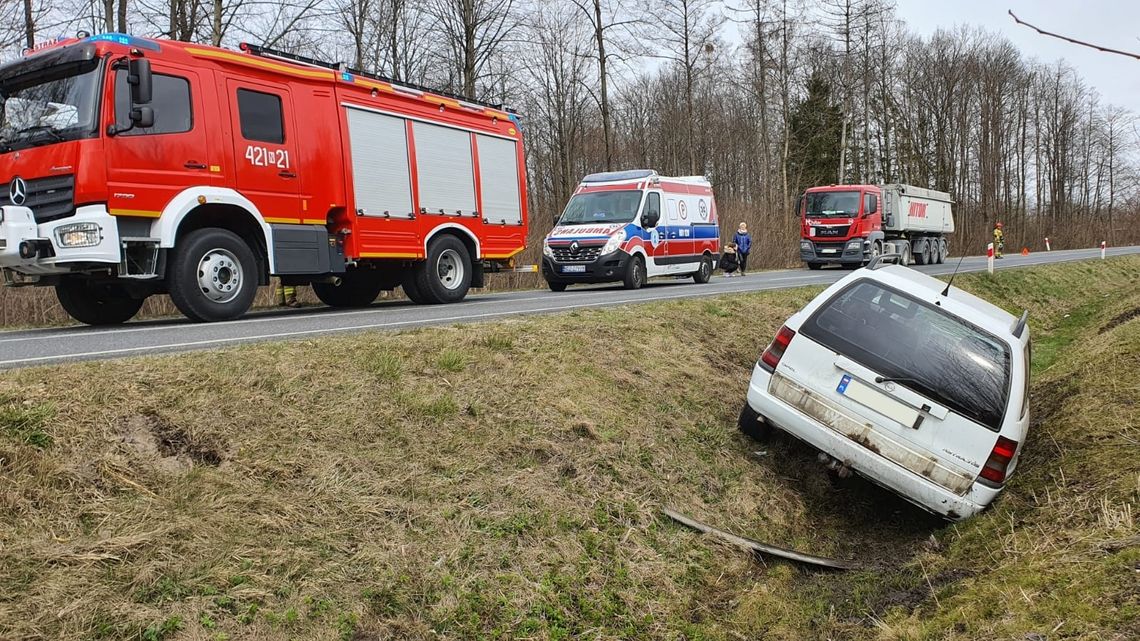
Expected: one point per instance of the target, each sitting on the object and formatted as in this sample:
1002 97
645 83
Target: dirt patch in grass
1121 319
503 481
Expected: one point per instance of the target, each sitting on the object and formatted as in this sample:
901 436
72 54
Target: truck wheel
635 273
213 276
704 272
876 250
941 252
815 266
752 424
94 304
920 256
356 289
445 276
411 290
557 287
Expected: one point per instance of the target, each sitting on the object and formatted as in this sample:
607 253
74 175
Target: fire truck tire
635 273
704 272
356 289
815 266
411 290
557 287
213 276
753 425
445 276
95 304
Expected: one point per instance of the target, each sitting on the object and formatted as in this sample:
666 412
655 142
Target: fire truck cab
132 167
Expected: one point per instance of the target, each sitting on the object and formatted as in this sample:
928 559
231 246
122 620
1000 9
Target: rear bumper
19 229
912 487
849 251
605 269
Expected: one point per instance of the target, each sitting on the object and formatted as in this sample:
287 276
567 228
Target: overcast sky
1109 23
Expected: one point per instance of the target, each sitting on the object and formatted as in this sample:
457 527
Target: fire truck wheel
704 273
356 289
411 290
95 304
635 274
815 266
557 287
445 276
213 276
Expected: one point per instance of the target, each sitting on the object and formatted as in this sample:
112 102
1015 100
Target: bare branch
1073 40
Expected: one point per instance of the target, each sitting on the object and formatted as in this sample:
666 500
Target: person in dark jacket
743 241
728 261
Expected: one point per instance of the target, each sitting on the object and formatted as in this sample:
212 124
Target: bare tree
474 30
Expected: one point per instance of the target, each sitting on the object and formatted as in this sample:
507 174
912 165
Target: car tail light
995 468
771 356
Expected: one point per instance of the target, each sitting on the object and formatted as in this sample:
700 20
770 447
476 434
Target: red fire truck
136 167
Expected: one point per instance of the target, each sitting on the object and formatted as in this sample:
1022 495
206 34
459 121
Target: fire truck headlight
78 235
547 251
614 242
855 244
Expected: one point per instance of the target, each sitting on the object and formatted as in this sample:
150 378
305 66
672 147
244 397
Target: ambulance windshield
832 203
602 207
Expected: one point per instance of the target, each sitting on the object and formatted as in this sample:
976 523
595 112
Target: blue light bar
124 39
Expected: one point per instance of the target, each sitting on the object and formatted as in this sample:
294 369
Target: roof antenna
946 292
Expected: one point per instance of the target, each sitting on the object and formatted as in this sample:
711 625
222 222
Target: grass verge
503 481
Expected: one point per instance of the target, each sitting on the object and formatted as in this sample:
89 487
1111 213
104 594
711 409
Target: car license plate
874 399
569 269
827 251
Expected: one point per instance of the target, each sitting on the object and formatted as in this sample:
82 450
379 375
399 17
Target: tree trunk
123 16
599 35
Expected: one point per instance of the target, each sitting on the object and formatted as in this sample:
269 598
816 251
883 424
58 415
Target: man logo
18 191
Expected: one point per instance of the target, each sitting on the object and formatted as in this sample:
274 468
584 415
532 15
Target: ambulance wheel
635 273
704 273
557 287
213 275
753 425
815 266
356 289
94 304
445 276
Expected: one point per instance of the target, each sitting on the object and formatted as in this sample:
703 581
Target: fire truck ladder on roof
341 67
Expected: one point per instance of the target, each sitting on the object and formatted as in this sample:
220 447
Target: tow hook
834 464
28 250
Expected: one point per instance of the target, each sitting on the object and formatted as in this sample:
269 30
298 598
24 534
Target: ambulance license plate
569 269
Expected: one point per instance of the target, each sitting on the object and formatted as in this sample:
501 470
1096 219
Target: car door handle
286 174
193 164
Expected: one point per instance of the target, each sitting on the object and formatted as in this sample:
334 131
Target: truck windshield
49 107
602 207
832 203
929 351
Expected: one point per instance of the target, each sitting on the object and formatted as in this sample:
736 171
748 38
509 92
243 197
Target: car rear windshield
933 353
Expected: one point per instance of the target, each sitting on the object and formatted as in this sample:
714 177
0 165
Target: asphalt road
24 348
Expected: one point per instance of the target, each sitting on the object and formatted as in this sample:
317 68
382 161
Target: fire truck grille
48 198
832 232
584 254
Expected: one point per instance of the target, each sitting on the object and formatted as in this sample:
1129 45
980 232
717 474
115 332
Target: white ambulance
629 226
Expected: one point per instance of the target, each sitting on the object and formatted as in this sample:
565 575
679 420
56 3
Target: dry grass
503 481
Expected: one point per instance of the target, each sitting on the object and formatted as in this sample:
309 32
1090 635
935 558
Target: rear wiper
898 379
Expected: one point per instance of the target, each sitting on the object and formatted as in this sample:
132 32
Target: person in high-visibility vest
286 295
999 240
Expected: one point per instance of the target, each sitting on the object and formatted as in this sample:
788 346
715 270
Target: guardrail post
990 257
1102 247
1047 247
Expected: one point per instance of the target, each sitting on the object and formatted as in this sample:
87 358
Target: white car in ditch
915 385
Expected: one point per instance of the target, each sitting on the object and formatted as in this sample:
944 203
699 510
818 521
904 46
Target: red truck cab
840 224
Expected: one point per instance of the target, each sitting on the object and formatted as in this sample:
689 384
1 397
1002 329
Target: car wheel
557 287
356 289
752 424
96 304
213 275
704 273
445 276
635 273
815 266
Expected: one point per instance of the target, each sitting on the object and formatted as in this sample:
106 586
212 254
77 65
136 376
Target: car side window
653 203
173 113
262 116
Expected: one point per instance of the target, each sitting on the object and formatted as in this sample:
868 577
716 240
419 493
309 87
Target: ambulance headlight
547 251
78 235
614 242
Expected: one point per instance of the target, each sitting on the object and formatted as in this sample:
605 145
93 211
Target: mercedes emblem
18 191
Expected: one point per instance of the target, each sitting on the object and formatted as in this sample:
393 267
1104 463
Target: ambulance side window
653 203
171 103
262 117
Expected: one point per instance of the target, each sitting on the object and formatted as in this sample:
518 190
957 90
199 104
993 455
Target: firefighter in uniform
999 240
286 295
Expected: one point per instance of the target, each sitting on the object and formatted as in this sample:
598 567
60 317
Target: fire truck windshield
822 204
48 107
602 207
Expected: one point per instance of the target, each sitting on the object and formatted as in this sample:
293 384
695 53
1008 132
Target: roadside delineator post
1047 247
1102 246
990 257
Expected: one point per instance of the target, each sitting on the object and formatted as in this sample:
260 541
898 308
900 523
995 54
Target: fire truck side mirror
139 77
142 117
